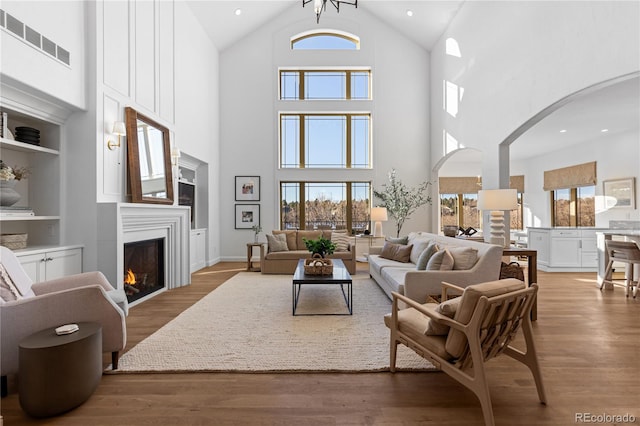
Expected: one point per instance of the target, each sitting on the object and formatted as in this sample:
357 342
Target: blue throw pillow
426 254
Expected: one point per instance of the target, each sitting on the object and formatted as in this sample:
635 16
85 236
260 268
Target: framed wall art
620 193
247 215
247 188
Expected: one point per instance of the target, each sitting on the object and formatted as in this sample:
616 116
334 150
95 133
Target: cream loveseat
285 261
404 278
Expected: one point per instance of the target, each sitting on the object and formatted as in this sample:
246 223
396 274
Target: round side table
58 373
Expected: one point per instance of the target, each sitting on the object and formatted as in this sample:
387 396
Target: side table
250 247
58 373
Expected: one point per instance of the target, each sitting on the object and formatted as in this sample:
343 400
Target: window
325 84
325 140
573 206
325 205
325 40
461 210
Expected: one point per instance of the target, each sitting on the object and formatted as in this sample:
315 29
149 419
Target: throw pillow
277 243
342 240
397 252
440 261
463 257
426 254
401 240
448 309
419 244
8 290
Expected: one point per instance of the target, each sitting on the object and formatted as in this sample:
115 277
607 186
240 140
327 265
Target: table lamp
497 201
378 215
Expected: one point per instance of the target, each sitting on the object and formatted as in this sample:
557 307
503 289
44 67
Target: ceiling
430 18
616 108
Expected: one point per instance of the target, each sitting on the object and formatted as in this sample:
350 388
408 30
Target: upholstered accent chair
27 307
459 335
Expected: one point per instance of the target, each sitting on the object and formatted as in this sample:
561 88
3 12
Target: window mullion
573 207
348 147
349 212
302 140
348 85
461 210
303 206
301 86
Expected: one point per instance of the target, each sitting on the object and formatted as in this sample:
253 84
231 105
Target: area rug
246 325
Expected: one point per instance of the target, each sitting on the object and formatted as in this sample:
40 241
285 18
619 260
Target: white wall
31 67
519 57
249 108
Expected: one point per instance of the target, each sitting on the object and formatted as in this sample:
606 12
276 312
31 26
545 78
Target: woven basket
14 241
317 265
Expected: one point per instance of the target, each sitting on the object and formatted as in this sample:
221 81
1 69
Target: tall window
325 84
325 205
329 140
462 210
574 206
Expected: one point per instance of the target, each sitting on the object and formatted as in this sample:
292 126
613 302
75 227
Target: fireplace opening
143 268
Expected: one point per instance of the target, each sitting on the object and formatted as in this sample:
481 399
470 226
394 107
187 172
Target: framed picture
247 215
620 193
247 188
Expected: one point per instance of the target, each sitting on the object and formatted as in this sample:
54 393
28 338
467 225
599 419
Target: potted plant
401 201
321 246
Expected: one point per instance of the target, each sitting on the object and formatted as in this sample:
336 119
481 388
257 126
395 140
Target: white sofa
405 279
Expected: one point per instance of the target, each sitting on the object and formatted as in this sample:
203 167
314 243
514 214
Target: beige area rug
246 325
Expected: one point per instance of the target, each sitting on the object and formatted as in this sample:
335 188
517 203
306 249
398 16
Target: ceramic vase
8 195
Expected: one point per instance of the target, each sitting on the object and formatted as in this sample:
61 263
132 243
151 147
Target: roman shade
472 184
570 177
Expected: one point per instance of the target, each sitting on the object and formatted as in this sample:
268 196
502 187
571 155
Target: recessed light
238 12
409 12
604 130
563 131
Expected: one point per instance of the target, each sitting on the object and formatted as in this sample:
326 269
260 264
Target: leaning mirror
149 161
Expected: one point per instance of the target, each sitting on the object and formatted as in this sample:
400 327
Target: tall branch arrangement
400 200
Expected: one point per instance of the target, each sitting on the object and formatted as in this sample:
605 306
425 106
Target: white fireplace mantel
121 223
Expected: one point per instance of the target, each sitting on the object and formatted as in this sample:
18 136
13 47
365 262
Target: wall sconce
378 215
175 155
497 201
120 130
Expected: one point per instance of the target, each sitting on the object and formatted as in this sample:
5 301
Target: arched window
325 39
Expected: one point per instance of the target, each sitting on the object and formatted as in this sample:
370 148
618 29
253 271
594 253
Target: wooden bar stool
628 253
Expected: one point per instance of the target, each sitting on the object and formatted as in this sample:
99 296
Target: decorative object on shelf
318 266
247 216
257 229
8 178
247 188
320 246
28 135
14 241
378 215
320 6
497 201
450 230
401 201
118 130
3 125
620 193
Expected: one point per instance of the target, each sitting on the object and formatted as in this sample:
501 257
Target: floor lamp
378 215
497 201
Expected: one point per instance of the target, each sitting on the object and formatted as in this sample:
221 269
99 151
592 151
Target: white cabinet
44 265
564 250
198 249
539 240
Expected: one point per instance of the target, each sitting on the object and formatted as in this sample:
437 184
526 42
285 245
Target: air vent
33 38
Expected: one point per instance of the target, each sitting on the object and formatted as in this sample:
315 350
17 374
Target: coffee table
339 277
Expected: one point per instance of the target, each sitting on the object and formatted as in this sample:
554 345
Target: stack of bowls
28 135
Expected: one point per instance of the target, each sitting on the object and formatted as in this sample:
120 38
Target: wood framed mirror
149 159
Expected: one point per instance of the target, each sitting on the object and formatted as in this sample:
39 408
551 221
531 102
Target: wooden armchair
460 335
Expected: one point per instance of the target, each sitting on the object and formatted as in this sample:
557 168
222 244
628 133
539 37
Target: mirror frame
133 158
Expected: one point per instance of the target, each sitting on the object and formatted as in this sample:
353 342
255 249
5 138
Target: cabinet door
539 241
198 246
34 266
63 263
566 252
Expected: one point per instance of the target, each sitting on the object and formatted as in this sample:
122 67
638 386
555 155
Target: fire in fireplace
143 268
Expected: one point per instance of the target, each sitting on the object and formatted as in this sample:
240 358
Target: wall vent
33 38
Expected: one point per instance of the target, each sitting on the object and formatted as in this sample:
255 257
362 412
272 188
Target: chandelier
320 6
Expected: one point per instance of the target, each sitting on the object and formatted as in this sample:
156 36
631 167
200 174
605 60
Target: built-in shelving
25 147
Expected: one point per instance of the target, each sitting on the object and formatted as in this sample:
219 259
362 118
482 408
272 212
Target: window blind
471 185
570 177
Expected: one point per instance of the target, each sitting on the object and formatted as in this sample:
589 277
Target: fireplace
144 268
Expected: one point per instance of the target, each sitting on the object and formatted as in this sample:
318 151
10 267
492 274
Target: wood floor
588 342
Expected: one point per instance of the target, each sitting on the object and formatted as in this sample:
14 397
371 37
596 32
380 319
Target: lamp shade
497 199
379 214
119 129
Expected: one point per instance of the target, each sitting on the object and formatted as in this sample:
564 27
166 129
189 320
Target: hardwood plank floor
588 342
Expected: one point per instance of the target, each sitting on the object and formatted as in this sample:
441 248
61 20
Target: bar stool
628 253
